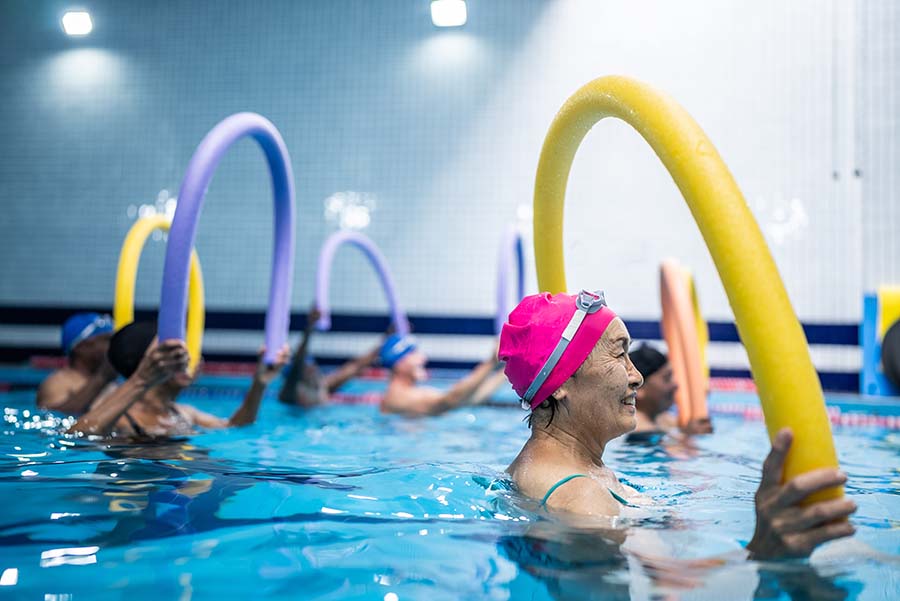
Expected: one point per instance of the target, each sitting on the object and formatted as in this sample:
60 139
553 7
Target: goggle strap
557 353
574 324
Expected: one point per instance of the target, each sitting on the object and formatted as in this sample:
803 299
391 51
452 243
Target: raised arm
294 374
246 413
495 380
349 370
160 362
430 401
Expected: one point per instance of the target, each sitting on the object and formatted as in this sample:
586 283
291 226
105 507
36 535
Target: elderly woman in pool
567 358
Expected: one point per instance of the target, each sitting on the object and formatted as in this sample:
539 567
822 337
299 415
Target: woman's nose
635 379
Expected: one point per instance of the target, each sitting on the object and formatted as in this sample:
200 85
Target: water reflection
162 490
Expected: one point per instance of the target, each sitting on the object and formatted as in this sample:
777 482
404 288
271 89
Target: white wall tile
443 129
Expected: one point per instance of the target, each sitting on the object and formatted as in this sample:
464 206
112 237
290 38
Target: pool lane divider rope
512 256
184 226
126 278
377 260
789 388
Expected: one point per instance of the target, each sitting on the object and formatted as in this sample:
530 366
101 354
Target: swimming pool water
342 502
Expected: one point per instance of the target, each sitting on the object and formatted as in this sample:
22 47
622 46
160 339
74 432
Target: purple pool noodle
173 301
510 248
323 277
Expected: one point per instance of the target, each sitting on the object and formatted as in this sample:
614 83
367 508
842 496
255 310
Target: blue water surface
341 502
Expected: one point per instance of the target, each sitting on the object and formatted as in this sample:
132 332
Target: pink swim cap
532 332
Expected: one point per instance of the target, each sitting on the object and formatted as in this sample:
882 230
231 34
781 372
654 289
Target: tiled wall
878 106
442 128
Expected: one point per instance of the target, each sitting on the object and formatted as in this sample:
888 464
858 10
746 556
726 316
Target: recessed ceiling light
77 23
448 13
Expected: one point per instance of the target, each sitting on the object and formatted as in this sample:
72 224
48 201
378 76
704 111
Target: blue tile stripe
840 334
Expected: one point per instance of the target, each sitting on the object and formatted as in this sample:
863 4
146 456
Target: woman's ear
561 393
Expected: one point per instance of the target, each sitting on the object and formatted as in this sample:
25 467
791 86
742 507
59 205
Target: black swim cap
128 345
647 360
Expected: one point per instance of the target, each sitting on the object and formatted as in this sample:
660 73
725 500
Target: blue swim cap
82 326
395 348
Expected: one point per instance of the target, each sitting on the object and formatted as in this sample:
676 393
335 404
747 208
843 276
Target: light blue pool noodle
872 380
376 258
173 300
511 252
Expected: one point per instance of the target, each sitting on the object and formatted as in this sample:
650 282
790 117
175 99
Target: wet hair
647 360
128 345
551 403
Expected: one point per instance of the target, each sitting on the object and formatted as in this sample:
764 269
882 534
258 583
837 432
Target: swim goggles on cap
585 303
101 324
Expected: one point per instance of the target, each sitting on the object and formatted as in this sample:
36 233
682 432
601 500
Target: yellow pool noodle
888 308
788 385
702 329
126 278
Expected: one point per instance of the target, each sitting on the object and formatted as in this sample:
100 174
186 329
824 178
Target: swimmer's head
127 349
658 392
87 335
566 356
395 347
412 366
542 345
401 354
128 345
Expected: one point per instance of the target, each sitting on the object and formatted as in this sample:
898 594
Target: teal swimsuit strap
553 488
618 498
557 485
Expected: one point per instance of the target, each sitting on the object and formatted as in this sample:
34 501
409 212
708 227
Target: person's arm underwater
160 362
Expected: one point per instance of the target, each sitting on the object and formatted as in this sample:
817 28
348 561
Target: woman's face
601 394
413 366
658 392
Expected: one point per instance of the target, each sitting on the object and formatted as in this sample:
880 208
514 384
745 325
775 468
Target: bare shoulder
65 377
580 494
412 400
57 386
584 496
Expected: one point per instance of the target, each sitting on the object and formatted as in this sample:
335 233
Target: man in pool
144 406
657 395
567 358
304 384
404 395
88 375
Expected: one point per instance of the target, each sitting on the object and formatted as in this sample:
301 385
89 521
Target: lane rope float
512 255
184 226
126 279
378 261
682 334
788 385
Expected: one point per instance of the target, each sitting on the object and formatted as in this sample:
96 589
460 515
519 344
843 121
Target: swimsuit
553 488
141 434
